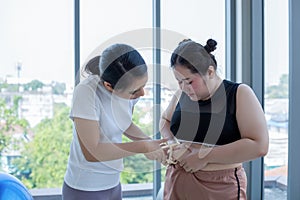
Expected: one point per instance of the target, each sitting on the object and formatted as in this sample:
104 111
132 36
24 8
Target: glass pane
188 20
36 82
276 97
103 23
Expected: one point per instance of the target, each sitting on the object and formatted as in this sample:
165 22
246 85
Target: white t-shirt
114 114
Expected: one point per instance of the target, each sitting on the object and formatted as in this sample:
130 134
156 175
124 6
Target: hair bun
211 45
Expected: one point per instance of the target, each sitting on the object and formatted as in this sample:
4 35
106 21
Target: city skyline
41 45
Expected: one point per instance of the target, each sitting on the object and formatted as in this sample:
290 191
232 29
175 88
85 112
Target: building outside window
37 77
276 100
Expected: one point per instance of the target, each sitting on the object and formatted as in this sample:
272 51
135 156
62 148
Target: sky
38 35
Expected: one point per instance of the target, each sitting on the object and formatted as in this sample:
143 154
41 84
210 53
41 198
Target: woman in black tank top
219 123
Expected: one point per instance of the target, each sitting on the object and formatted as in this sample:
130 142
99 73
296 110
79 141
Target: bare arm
254 140
167 116
95 151
135 133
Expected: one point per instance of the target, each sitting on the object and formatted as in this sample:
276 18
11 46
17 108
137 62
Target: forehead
181 71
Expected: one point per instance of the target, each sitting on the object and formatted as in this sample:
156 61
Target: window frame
251 72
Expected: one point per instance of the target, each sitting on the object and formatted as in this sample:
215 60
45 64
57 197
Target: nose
185 87
141 92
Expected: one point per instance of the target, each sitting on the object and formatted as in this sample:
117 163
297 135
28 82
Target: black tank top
211 121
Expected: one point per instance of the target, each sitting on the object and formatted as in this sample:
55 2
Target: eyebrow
137 89
185 79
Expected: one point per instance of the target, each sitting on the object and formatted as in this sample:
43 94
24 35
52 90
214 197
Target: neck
216 84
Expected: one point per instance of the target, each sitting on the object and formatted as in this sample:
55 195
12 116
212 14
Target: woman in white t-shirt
101 113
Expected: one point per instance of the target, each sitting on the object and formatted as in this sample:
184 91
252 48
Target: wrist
204 152
144 146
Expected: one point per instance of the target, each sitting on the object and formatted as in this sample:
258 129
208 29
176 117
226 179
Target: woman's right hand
153 150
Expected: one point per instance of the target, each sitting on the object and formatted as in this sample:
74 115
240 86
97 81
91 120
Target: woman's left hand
187 156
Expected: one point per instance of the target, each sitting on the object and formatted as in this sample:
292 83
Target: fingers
179 154
187 169
161 141
158 155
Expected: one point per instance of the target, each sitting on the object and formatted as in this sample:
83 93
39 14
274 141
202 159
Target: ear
211 72
108 86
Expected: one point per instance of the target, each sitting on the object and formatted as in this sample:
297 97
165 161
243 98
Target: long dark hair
92 66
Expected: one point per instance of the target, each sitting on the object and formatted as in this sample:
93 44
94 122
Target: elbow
262 144
89 158
265 146
263 150
88 155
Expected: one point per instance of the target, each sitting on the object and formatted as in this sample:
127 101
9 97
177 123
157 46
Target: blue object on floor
12 189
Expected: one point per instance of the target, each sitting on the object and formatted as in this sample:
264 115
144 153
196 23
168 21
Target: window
37 71
194 20
36 81
102 23
276 97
